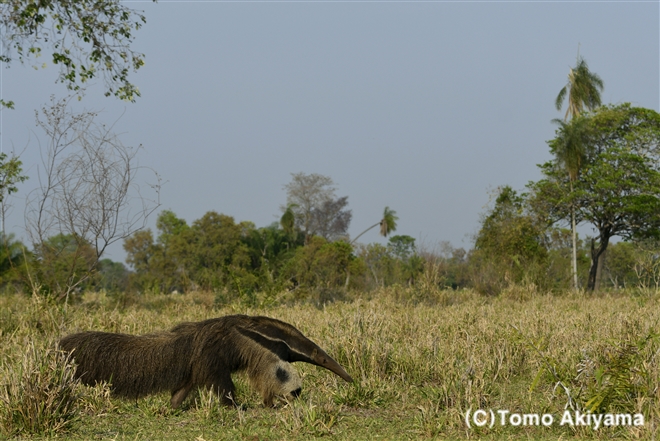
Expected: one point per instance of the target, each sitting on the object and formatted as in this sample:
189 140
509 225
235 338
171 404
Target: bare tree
89 192
331 219
311 198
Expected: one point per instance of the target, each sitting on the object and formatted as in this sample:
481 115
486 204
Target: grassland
421 360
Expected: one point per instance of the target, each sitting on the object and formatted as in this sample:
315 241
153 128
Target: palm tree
583 90
387 224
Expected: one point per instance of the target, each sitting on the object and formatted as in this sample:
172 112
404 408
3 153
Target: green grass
420 360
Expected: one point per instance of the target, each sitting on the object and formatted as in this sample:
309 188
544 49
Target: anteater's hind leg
179 395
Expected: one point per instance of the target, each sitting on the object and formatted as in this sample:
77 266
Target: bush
39 394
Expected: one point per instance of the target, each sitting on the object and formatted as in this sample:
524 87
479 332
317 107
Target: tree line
604 173
525 237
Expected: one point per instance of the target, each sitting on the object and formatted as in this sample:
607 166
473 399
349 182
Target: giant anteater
199 354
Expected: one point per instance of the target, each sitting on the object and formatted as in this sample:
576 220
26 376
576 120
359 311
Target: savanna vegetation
533 319
420 359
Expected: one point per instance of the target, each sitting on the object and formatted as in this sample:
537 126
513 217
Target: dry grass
420 359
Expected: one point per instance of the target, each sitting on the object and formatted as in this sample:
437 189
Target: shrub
39 394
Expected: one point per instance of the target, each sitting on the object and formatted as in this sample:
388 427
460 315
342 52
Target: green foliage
10 174
509 242
112 276
619 376
159 266
12 260
508 232
214 250
170 227
633 265
379 264
403 247
270 249
86 38
388 223
322 264
583 90
620 264
396 263
209 254
571 144
288 222
618 190
140 255
63 263
408 265
12 252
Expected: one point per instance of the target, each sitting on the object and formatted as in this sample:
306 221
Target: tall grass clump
618 377
38 393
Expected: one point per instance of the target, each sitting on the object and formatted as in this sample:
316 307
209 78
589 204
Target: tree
215 254
64 263
10 174
387 224
569 147
510 239
311 199
402 246
84 37
409 264
323 265
89 191
12 260
618 191
140 250
331 219
378 260
288 222
583 90
113 276
269 249
159 265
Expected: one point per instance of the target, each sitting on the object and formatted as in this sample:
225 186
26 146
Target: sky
424 107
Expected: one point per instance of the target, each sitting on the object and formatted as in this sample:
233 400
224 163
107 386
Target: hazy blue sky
424 107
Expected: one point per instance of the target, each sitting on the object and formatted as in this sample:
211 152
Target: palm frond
388 223
583 89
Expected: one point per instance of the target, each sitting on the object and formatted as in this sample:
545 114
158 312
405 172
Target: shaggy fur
199 354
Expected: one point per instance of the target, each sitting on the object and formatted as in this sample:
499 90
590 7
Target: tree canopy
618 190
582 89
86 38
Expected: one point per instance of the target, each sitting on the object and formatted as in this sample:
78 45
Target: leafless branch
89 192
